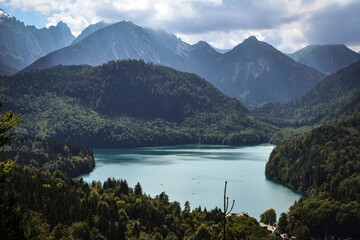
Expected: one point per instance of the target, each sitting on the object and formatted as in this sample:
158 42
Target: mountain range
326 58
253 71
21 45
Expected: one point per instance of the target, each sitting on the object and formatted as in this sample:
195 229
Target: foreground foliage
324 163
49 155
56 207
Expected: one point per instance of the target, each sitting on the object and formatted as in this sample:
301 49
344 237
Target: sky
288 25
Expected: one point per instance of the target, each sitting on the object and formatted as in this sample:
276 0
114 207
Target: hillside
326 58
127 104
324 163
253 72
21 45
49 155
326 159
110 210
322 105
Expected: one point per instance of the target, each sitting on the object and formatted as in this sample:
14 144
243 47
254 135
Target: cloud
43 6
286 24
76 23
335 24
233 15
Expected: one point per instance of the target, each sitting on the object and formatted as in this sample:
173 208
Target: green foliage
268 217
126 104
324 216
7 121
324 163
50 155
325 104
11 218
245 228
327 159
202 233
283 223
61 208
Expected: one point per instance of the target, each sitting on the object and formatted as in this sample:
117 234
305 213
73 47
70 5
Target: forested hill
128 103
325 104
49 155
327 159
325 163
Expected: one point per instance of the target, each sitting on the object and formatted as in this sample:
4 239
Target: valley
126 131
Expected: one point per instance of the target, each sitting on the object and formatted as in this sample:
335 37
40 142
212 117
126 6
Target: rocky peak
250 40
3 14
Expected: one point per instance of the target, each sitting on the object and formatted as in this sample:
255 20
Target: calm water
197 173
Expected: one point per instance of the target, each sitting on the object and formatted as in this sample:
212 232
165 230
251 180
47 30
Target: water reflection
197 173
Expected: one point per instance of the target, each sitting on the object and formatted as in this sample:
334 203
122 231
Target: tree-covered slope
324 104
327 159
55 207
128 103
324 163
49 155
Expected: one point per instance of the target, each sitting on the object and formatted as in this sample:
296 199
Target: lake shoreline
196 173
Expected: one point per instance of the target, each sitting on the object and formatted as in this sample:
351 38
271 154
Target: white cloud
223 23
75 23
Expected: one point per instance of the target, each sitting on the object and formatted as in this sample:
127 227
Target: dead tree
226 207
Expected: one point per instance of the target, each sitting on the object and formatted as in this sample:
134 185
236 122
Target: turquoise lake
197 173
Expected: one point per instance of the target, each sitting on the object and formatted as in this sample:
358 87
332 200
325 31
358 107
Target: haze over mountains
253 71
21 45
326 58
326 103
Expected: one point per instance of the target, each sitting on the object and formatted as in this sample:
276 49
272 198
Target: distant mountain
326 58
21 45
126 104
253 72
89 30
327 102
221 50
256 73
123 40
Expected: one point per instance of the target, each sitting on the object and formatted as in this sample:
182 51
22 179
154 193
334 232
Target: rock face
327 58
89 30
253 71
21 45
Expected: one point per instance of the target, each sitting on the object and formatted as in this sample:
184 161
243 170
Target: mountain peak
202 44
3 14
61 24
251 39
326 58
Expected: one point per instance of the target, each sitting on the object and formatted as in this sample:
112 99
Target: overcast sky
288 25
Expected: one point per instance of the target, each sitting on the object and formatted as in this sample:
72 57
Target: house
242 214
